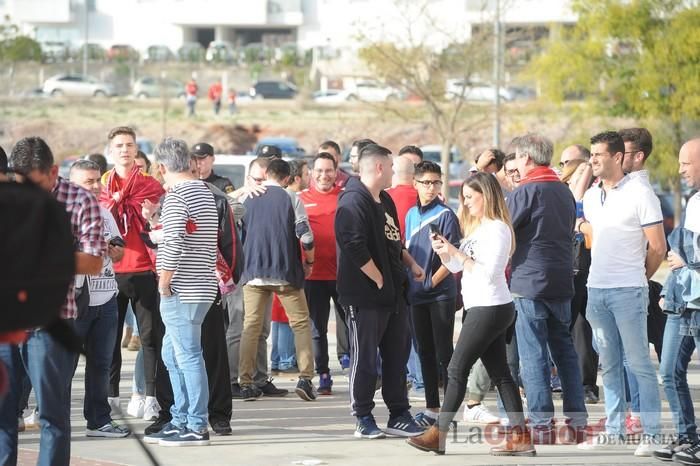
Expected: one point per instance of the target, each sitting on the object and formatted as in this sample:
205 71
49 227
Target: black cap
202 149
268 150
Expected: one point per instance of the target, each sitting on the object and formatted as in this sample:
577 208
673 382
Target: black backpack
37 260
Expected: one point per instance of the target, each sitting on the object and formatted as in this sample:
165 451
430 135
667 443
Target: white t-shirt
692 214
618 218
489 245
103 287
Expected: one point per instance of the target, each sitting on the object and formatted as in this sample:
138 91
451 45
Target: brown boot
430 440
127 336
134 343
518 443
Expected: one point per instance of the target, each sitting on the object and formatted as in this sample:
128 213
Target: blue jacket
418 220
270 244
682 287
543 215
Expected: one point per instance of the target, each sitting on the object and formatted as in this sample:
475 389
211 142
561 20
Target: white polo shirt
618 218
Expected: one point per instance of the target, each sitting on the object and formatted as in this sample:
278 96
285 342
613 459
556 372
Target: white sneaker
603 441
114 404
150 409
648 445
479 414
136 406
32 421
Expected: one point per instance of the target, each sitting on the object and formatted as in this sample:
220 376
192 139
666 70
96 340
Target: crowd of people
551 267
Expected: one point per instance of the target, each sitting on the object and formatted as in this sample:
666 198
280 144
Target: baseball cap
268 150
202 149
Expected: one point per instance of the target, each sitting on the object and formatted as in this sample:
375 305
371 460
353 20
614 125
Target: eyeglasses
429 183
512 173
564 163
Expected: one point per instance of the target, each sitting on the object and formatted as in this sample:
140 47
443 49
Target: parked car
330 96
458 169
289 146
158 53
191 52
474 91
273 90
54 51
220 51
77 85
148 86
372 91
122 52
233 167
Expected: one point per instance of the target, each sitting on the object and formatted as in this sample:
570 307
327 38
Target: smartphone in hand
434 231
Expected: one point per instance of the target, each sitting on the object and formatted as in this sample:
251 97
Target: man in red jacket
320 201
126 188
215 93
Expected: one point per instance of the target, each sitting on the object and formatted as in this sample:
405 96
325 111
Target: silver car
77 85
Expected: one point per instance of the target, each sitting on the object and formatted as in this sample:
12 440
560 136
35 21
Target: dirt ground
77 127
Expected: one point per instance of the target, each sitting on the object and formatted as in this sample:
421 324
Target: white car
458 167
76 85
330 96
474 92
372 91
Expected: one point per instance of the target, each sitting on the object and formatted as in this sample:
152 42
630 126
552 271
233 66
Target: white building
308 23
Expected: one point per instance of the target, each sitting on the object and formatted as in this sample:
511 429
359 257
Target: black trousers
372 329
582 334
433 325
483 335
215 355
141 289
319 294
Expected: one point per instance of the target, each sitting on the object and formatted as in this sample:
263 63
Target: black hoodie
364 230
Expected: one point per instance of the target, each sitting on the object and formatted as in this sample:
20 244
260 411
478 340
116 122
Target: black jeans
141 289
319 294
434 324
483 336
582 335
388 331
214 351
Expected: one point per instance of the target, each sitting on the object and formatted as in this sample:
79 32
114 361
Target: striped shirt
190 229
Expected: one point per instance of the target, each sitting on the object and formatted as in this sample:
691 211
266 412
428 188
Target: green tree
636 58
16 47
409 64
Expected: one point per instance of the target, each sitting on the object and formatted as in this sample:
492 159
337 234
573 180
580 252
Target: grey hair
174 154
538 147
85 165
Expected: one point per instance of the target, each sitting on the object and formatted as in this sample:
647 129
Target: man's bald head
575 152
689 162
403 171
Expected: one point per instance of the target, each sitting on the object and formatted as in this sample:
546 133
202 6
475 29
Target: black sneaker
270 390
221 427
590 397
236 391
167 430
157 425
305 389
367 428
683 454
250 393
186 438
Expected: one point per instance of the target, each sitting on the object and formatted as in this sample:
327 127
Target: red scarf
125 203
540 175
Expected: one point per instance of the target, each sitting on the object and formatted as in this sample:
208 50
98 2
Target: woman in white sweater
482 257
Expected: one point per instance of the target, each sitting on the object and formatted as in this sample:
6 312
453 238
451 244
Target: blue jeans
284 354
673 369
618 318
542 323
138 383
98 330
182 355
130 321
415 371
50 369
